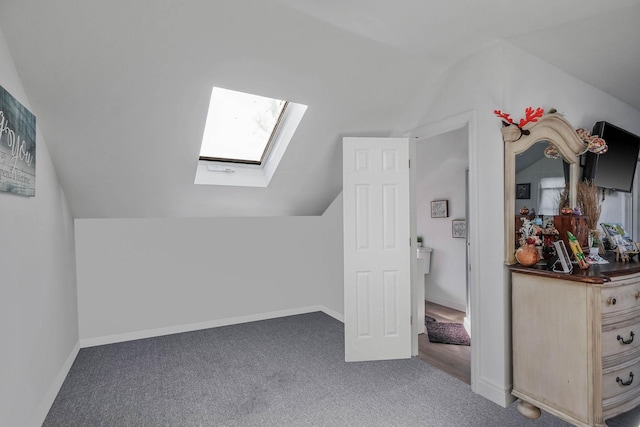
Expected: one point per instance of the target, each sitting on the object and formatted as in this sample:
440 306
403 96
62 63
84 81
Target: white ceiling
120 88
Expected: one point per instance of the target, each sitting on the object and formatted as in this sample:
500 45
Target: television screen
616 168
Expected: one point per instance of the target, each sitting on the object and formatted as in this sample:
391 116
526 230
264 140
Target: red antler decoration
531 116
506 117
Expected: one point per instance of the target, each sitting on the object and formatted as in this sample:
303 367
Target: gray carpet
281 372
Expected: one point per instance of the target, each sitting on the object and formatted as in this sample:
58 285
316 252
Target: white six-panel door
377 248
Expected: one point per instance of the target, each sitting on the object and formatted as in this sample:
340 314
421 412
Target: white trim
449 124
498 395
243 175
443 126
150 333
39 415
326 310
286 129
467 324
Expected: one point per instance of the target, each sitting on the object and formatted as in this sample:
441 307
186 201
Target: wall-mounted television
616 168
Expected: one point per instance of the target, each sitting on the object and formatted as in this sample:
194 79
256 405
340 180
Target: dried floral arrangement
588 196
563 198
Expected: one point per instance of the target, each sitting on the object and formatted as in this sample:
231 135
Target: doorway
454 360
441 176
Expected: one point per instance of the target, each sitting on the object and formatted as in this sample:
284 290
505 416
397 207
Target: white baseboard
447 302
332 313
499 395
149 333
38 416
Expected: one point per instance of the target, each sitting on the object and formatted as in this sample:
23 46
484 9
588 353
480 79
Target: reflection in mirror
546 177
552 127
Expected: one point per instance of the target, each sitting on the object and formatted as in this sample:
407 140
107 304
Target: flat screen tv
616 168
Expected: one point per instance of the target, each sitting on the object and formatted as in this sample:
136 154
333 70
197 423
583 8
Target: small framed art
439 209
523 191
459 228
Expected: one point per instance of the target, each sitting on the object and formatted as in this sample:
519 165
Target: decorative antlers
505 117
531 116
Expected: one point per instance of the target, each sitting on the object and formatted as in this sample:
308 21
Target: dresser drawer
618 298
621 339
625 379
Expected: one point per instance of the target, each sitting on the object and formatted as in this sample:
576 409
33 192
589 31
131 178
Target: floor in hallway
455 360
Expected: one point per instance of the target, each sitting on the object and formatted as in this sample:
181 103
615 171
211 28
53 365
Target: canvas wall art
439 208
17 147
459 228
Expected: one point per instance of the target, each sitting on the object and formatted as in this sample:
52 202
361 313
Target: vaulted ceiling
120 88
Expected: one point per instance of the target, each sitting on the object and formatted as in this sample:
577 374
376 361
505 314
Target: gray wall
38 307
441 164
505 78
146 277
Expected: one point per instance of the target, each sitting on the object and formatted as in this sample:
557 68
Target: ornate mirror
550 129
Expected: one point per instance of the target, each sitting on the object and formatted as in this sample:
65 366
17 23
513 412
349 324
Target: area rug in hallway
446 333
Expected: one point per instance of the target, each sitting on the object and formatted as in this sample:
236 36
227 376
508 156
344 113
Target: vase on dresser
527 255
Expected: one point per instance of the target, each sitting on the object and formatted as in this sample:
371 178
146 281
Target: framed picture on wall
17 147
439 209
523 191
459 228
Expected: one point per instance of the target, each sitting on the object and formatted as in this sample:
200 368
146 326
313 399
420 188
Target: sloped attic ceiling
120 88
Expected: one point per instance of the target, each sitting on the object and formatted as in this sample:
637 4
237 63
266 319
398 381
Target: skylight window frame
209 172
265 152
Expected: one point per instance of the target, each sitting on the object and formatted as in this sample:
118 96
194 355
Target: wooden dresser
576 341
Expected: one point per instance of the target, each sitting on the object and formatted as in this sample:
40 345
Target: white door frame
440 127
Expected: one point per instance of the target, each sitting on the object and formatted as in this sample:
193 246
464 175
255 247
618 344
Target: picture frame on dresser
563 258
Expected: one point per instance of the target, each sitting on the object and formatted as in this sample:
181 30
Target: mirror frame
556 130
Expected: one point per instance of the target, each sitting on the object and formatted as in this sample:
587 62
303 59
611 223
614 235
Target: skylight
240 126
245 137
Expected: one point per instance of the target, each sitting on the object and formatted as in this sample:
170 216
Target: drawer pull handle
618 380
631 335
611 301
637 294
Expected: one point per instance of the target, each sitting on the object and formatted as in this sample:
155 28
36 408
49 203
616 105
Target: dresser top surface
596 273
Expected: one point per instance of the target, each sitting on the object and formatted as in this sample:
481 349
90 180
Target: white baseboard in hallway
447 302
